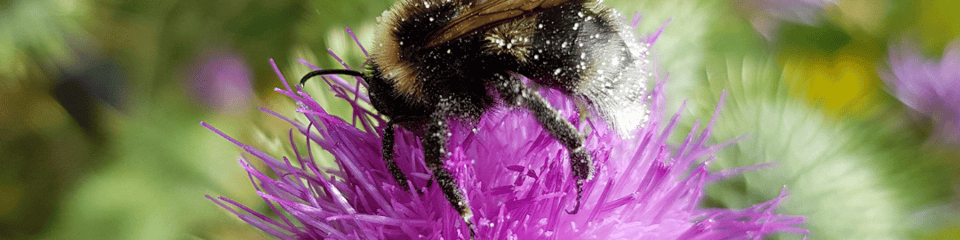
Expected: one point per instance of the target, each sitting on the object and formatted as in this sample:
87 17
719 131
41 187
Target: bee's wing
488 13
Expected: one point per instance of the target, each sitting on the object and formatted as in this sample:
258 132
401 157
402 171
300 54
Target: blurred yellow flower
844 84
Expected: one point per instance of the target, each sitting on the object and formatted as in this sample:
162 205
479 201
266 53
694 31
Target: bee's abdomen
561 48
585 50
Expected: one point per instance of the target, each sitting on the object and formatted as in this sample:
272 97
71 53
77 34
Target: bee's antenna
329 71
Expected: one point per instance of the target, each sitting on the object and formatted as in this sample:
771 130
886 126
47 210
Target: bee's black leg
387 151
514 92
434 152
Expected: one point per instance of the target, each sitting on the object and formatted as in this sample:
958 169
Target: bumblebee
437 60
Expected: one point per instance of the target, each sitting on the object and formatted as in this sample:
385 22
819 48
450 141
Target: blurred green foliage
99 111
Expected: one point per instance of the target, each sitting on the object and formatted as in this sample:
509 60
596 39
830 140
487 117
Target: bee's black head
372 83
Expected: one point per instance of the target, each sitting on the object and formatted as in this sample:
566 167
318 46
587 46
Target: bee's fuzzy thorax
405 17
512 38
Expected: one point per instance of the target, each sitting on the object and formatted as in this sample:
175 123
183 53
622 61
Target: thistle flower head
930 87
515 175
221 80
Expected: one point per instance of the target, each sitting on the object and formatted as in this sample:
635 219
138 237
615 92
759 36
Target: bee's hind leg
514 92
434 152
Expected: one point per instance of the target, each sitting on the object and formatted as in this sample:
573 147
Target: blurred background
857 103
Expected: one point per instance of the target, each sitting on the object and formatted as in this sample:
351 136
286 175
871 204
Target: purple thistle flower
513 173
220 80
931 88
